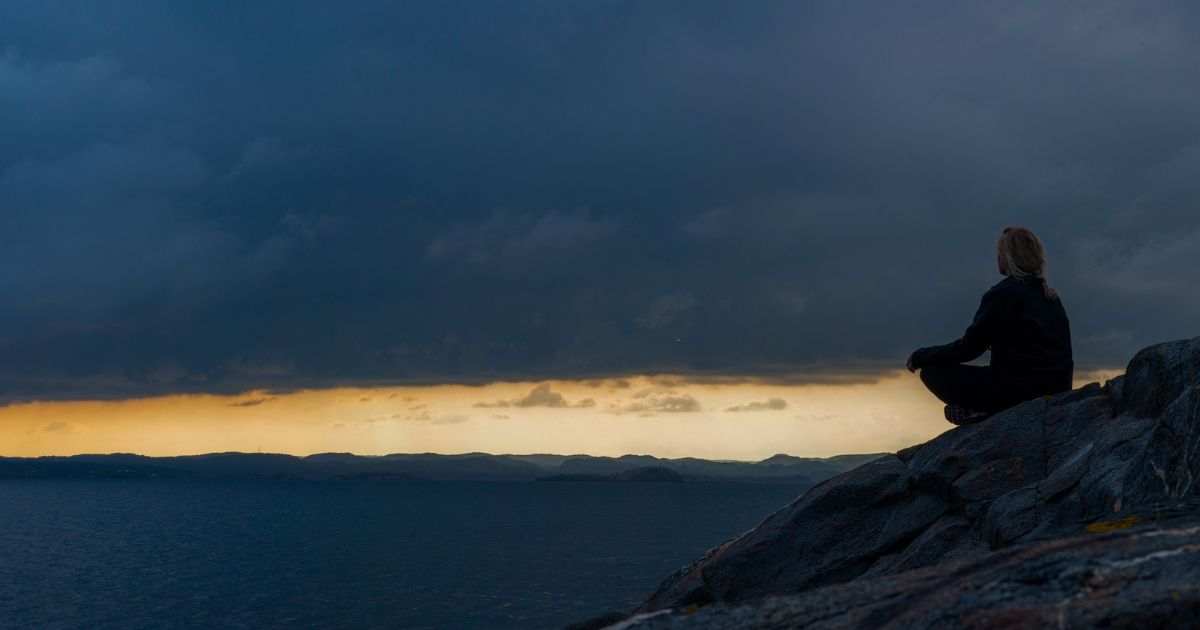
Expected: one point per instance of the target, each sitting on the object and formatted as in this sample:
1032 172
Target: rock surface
1144 577
980 507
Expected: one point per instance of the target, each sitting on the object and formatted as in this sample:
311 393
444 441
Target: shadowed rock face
1032 473
1144 577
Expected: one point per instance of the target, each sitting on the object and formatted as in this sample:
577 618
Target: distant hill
430 466
656 474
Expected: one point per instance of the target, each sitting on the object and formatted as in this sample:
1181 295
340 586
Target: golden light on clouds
661 415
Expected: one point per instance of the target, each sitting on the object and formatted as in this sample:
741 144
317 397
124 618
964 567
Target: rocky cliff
1076 509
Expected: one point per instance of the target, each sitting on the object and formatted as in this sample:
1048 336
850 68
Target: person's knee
930 374
934 379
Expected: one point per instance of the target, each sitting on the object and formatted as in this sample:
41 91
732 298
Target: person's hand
908 363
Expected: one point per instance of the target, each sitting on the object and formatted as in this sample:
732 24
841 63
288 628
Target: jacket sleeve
979 336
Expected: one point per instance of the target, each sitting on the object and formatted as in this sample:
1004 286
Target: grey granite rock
1145 576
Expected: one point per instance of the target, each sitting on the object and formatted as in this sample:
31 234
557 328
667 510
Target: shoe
960 415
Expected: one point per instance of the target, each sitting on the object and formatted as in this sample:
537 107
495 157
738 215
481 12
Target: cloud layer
199 197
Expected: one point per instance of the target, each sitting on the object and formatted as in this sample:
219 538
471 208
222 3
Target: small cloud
651 391
680 403
610 383
649 403
251 402
365 399
500 416
771 404
419 416
57 426
539 396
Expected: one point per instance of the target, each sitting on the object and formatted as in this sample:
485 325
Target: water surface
411 554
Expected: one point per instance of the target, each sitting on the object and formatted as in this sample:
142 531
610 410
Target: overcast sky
225 196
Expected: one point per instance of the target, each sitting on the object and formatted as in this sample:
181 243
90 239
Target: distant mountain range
467 466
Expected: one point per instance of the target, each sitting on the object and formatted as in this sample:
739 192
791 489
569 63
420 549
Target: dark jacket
1029 336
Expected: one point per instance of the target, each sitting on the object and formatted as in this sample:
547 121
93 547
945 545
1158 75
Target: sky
457 202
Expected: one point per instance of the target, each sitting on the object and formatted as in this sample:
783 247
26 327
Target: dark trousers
973 387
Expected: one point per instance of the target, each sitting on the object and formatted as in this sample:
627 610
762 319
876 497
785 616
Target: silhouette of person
1022 320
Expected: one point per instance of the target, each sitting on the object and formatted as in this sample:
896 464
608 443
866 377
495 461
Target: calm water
413 554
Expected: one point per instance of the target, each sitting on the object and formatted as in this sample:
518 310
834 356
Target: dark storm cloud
222 197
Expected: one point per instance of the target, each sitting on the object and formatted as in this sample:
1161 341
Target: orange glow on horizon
658 415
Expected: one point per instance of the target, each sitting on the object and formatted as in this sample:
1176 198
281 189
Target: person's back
1033 345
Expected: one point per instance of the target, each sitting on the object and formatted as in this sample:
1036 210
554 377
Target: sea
129 553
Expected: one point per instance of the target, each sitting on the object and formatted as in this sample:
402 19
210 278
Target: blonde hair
1024 255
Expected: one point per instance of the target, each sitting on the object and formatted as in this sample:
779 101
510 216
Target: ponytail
1049 291
1024 256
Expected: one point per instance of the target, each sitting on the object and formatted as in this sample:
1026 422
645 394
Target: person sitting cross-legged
1023 321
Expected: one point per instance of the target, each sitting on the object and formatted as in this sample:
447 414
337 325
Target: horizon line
463 454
